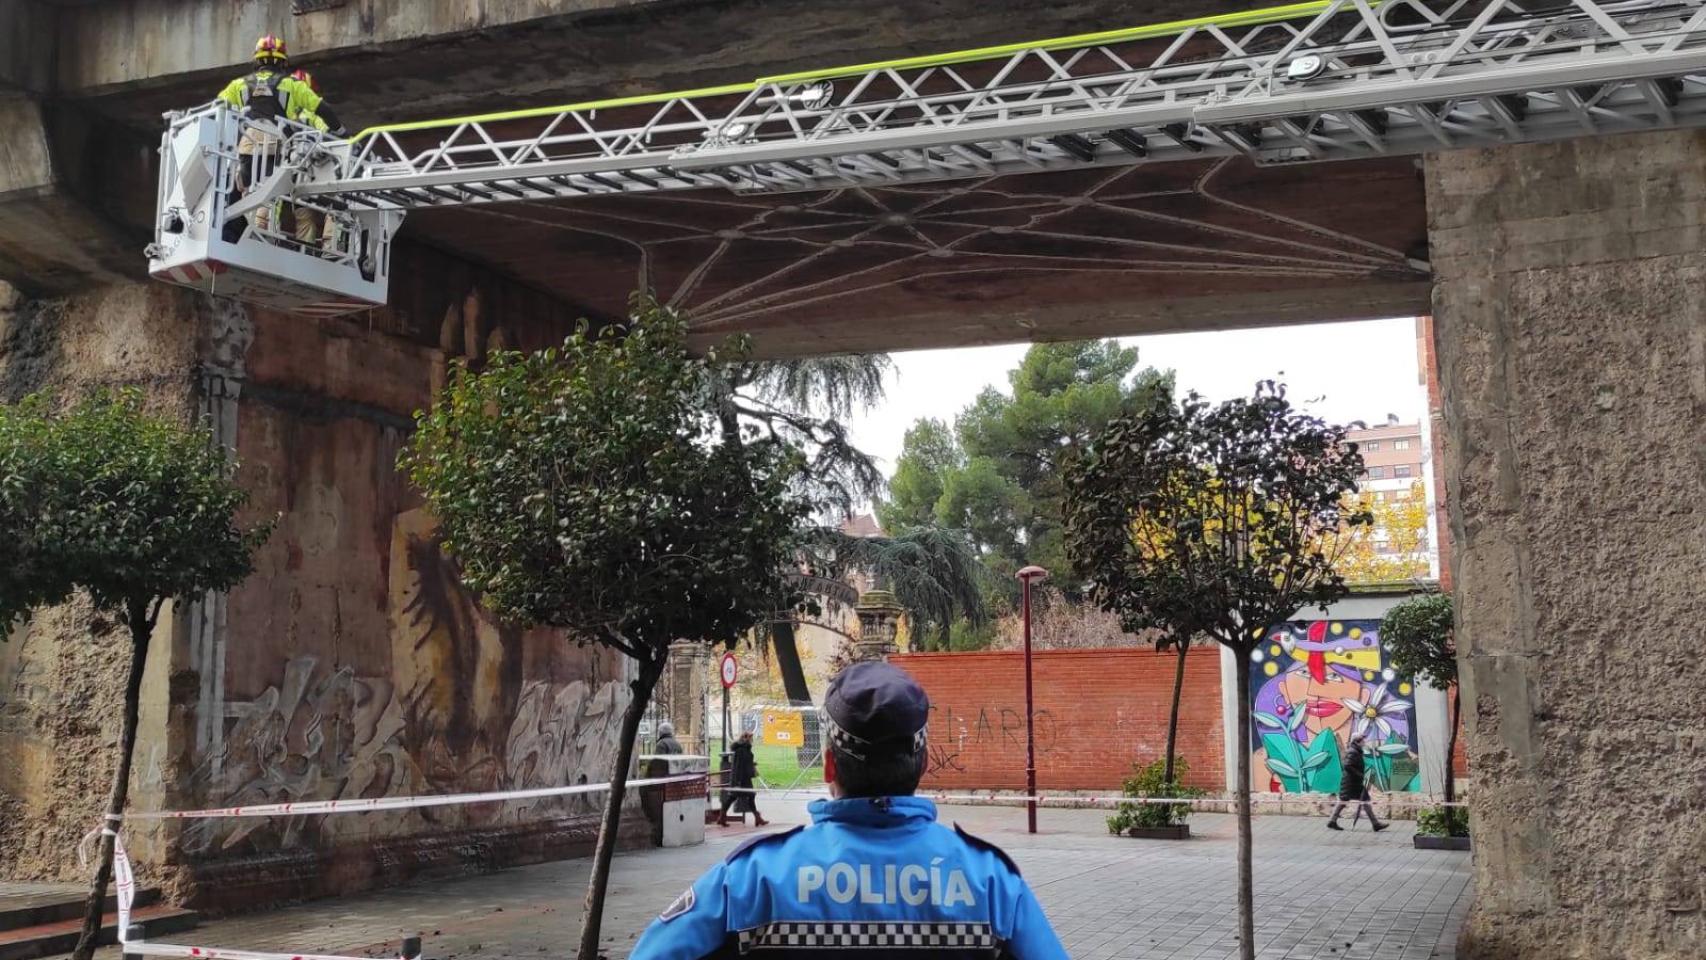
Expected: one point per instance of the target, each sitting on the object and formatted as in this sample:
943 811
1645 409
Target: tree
1057 624
928 454
1394 547
1181 647
1215 521
805 402
933 573
591 488
1420 639
999 476
131 508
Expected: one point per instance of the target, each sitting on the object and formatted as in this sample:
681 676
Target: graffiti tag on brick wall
953 734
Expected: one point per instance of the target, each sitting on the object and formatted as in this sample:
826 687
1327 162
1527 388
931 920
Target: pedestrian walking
742 771
1353 787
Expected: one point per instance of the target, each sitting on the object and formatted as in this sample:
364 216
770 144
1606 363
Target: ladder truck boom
1304 83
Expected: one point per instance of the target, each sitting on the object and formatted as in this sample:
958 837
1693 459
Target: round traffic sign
728 668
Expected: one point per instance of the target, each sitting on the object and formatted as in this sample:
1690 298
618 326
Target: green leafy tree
1420 640
132 509
1212 520
929 454
591 488
999 476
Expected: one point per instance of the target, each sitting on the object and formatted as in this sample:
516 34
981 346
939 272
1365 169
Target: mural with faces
1318 683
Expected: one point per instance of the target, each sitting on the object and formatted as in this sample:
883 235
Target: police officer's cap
873 708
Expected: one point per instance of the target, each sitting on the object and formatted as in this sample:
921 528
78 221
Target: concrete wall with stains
62 672
352 664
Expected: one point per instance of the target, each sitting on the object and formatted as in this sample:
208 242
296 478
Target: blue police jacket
869 875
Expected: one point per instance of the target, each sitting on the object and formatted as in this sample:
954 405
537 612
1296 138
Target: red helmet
307 78
270 49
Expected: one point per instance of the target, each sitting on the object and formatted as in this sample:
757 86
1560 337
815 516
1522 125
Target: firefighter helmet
270 49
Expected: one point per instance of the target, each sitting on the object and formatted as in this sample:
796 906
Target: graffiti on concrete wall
456 714
1315 685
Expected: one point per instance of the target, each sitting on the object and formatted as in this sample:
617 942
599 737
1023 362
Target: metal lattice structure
1310 82
1320 81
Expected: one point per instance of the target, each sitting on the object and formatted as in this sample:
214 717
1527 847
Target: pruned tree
130 508
1420 639
1219 521
592 488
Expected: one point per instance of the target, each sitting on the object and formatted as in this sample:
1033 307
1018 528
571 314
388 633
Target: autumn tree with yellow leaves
1392 548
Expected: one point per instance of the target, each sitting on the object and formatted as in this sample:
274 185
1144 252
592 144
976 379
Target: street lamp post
1028 576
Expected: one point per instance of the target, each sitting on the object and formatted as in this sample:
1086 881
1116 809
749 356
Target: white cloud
1341 371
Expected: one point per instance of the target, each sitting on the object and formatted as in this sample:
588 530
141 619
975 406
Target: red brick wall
1097 711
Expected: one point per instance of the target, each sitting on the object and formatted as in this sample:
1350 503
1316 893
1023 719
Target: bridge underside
1215 243
1567 285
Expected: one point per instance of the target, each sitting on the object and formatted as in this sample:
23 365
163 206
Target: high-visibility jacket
870 876
270 94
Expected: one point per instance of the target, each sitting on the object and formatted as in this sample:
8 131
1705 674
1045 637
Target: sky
1340 371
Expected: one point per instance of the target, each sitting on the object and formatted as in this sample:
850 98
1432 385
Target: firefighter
270 93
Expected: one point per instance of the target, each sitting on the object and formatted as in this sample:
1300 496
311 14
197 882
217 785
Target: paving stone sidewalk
1319 895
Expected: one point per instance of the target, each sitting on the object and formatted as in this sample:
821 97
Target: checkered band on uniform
842 936
856 746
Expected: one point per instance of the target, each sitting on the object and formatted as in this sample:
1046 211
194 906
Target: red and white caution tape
375 804
126 878
1405 801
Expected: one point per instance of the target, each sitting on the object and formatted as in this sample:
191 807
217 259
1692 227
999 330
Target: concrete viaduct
1567 282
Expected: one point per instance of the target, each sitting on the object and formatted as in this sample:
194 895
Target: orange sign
784 728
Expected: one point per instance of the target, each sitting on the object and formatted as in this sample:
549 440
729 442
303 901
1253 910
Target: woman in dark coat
742 771
1353 786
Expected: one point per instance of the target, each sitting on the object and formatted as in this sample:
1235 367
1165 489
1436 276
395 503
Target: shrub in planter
1148 781
1443 822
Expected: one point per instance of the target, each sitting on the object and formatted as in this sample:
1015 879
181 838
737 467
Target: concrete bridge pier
1570 304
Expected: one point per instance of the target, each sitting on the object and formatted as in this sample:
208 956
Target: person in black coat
667 744
1353 786
742 771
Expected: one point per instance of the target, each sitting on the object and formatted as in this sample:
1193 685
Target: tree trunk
141 628
1451 743
650 671
1246 868
1173 714
788 662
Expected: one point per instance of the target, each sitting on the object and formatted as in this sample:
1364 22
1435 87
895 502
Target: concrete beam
52 240
26 46
387 60
1112 317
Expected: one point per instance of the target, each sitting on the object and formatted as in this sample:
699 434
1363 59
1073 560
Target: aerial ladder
1304 83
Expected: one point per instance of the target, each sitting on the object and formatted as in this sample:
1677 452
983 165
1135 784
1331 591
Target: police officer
874 872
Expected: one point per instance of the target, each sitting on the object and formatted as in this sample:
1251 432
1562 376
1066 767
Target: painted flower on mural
1373 716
